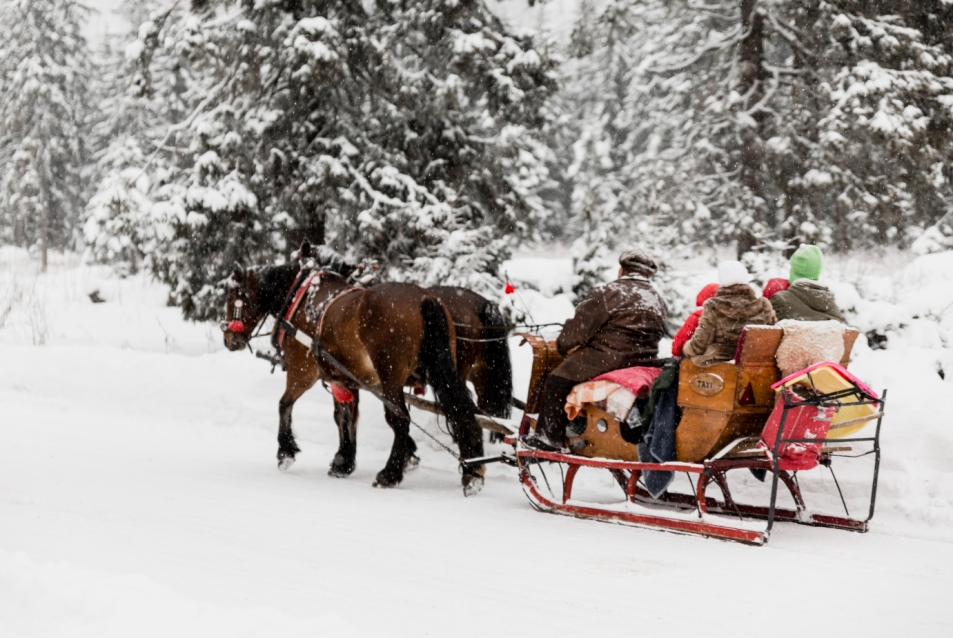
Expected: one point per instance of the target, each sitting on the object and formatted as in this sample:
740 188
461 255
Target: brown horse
382 336
483 356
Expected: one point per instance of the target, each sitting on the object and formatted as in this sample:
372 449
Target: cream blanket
808 342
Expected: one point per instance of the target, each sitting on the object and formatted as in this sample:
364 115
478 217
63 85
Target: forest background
434 136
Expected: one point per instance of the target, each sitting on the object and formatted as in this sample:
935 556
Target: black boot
539 441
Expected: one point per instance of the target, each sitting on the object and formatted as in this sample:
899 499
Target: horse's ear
305 251
238 274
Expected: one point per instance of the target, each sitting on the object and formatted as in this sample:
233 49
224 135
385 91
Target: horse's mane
273 284
274 281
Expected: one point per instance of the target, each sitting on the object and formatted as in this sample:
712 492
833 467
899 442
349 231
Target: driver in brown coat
618 325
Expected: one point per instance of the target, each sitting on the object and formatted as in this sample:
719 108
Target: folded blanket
605 395
637 380
614 392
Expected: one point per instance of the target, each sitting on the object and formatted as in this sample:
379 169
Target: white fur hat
732 272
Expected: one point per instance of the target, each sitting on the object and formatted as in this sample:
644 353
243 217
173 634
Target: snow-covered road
139 496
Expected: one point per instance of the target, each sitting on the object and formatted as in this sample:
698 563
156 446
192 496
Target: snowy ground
139 497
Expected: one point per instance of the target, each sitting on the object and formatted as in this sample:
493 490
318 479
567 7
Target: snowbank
56 308
899 303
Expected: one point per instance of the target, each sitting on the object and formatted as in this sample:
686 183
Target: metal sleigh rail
692 514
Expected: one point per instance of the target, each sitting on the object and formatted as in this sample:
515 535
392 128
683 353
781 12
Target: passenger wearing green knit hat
805 299
806 263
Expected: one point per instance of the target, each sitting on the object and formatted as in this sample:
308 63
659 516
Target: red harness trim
295 303
341 394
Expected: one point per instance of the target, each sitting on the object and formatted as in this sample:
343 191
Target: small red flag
509 289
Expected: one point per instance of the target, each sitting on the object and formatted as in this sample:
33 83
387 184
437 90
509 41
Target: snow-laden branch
759 106
731 13
789 33
213 94
725 43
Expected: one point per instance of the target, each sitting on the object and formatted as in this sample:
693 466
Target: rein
531 327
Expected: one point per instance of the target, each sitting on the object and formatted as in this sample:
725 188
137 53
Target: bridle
236 324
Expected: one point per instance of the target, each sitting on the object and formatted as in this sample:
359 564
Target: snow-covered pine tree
134 115
44 72
638 178
766 122
885 141
465 120
411 132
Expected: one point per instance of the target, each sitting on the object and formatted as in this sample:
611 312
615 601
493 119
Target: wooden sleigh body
725 408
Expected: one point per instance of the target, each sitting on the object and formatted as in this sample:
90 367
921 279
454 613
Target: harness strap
276 335
295 300
288 328
323 307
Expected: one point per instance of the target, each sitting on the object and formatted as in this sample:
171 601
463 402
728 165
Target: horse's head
243 312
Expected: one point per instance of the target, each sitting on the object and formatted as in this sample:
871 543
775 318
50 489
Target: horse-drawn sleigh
738 415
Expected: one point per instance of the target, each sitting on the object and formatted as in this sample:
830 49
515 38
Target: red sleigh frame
698 513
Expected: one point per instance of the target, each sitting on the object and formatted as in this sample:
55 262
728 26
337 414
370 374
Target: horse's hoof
472 484
387 479
340 471
411 463
285 463
341 467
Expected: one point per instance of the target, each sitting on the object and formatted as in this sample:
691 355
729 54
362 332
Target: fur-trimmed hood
724 316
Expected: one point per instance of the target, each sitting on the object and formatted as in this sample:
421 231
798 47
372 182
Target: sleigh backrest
545 360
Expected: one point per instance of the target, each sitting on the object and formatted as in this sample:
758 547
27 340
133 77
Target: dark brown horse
482 351
256 293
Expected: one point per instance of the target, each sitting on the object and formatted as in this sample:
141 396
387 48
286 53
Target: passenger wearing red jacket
688 328
774 286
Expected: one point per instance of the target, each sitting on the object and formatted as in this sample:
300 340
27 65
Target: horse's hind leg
402 454
452 394
455 401
345 415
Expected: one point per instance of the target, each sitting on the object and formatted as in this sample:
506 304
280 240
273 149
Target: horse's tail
498 379
437 359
